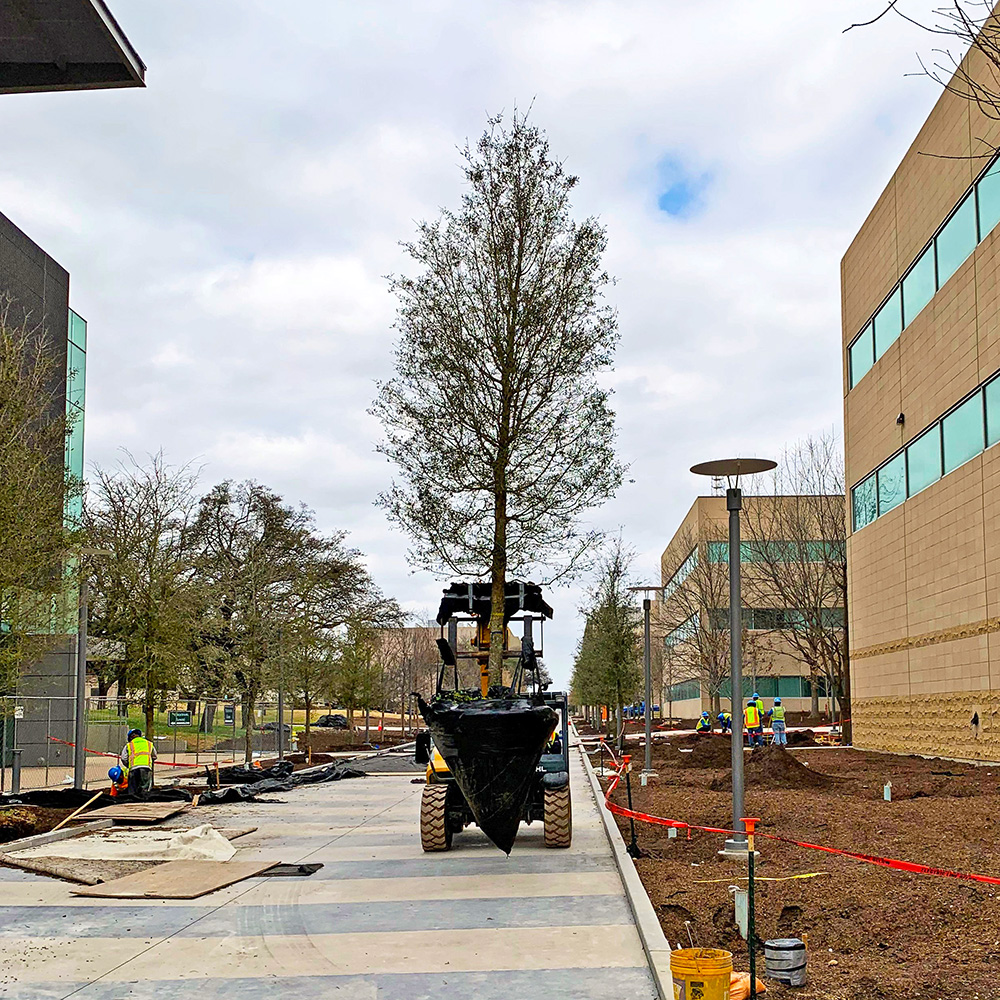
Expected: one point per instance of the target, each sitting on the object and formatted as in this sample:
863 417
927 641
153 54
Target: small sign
19 711
229 715
179 719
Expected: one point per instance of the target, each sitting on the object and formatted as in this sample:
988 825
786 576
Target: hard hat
704 715
720 716
116 774
756 695
133 732
777 701
750 701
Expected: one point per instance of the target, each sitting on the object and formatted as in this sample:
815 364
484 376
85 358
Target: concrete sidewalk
381 920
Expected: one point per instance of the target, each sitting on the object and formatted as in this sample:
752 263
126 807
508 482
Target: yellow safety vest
778 713
752 717
140 753
703 724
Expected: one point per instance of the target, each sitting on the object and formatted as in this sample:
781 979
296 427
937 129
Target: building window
888 323
976 215
684 691
683 633
863 502
956 240
682 572
919 286
960 435
862 355
963 432
923 461
892 484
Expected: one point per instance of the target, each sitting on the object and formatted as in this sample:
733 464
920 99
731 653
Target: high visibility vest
778 713
726 717
703 724
140 753
752 717
760 705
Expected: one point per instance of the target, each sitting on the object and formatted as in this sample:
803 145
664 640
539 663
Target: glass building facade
76 394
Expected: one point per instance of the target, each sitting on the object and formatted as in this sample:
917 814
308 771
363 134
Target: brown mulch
873 933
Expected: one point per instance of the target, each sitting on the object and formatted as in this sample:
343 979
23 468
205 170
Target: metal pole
80 720
734 502
647 666
15 771
3 745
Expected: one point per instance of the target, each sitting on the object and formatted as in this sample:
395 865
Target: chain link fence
37 736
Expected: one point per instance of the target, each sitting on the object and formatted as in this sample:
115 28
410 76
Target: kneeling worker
137 758
704 724
754 724
725 722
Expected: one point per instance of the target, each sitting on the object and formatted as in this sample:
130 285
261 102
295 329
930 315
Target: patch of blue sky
683 192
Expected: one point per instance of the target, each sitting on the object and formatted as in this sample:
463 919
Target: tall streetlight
732 469
647 770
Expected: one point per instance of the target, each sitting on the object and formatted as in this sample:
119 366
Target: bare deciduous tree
495 420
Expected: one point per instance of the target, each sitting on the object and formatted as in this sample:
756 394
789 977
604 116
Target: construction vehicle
498 756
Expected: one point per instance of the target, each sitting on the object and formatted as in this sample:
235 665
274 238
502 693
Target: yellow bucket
701 973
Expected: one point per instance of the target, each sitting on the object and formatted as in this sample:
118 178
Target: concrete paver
380 921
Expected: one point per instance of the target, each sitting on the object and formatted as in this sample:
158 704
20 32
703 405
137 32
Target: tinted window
957 240
992 391
863 501
988 189
923 461
888 323
892 484
862 355
963 433
918 286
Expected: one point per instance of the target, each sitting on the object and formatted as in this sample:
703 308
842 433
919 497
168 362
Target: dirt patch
773 767
26 821
803 738
708 751
891 934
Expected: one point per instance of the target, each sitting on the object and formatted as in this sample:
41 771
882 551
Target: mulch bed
873 933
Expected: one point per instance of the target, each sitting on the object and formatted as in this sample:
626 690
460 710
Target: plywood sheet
139 812
177 880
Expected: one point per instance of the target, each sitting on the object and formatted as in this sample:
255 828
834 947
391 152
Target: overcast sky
228 228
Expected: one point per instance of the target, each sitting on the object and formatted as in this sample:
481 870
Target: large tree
495 420
146 595
35 591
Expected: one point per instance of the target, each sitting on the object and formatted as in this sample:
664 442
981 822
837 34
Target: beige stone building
692 626
921 340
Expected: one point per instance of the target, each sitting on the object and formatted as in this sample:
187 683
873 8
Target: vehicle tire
434 832
558 817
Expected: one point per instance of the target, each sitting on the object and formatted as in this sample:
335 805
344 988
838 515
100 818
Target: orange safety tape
874 859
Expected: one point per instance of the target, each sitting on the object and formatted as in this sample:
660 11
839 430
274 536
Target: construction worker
137 758
777 715
725 722
119 781
704 724
753 722
760 703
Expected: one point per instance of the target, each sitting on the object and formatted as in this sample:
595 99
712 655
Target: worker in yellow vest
753 722
704 726
137 758
777 715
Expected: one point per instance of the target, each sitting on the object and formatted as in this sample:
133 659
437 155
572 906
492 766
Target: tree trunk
208 717
847 732
150 708
246 711
368 722
498 575
814 690
249 704
308 704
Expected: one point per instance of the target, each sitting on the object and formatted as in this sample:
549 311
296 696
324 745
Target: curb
654 943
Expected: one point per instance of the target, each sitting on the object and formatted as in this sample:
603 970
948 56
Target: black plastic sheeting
250 791
73 798
492 748
240 775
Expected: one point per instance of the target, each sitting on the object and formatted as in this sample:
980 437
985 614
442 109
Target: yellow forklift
496 756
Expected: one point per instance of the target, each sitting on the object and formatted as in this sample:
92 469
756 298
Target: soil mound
25 821
709 751
805 738
773 767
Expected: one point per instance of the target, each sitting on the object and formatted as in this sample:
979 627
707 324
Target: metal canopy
50 45
734 467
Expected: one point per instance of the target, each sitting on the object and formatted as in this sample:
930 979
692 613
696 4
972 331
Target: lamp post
732 469
80 715
647 770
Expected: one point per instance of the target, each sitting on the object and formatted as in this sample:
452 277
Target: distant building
692 617
921 350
